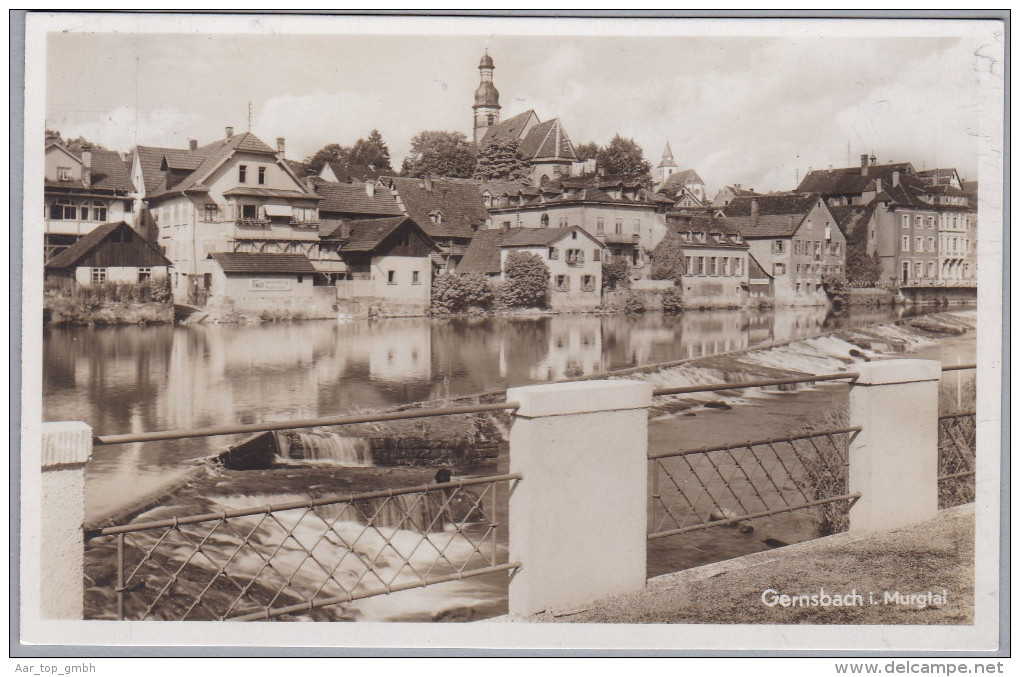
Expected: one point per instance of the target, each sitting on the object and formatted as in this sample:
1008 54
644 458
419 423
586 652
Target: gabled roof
502 187
346 171
849 181
460 200
535 237
211 156
939 176
482 255
246 262
755 271
70 256
352 198
781 203
367 234
681 223
107 172
543 140
776 225
677 180
511 128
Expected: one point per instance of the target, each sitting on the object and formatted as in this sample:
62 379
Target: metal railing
695 489
271 561
957 458
304 557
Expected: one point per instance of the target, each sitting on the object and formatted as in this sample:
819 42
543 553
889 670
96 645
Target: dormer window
436 217
242 173
63 173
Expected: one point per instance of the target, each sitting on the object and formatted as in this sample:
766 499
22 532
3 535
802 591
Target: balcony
621 238
253 222
575 261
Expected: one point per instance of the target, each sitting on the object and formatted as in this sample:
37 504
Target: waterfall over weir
326 447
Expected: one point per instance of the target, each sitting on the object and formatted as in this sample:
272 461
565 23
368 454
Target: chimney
86 168
192 145
864 164
345 230
280 148
754 211
370 187
427 181
737 186
230 132
896 177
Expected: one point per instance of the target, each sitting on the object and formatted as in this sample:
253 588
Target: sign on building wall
255 284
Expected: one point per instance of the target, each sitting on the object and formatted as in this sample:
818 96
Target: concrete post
578 520
66 448
894 459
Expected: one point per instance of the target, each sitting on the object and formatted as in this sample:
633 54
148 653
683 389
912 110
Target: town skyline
710 110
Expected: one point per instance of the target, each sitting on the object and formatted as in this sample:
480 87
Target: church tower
486 99
667 166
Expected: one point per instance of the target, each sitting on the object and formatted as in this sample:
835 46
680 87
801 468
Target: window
839 249
563 222
738 266
809 226
600 225
906 243
98 275
712 266
931 221
619 226
906 221
207 281
300 278
544 220
575 256
798 269
699 265
725 265
573 236
778 246
63 173
797 247
562 283
391 277
490 119
554 253
64 209
415 277
687 265
242 173
210 212
920 244
918 269
144 274
121 236
506 225
596 256
931 269
262 175
637 226
918 221
249 211
587 283
931 244
778 269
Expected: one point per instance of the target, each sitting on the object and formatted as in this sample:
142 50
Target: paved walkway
936 558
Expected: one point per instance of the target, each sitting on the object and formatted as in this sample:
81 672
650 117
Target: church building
545 145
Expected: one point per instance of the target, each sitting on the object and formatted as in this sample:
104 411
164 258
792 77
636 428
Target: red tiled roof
245 262
352 198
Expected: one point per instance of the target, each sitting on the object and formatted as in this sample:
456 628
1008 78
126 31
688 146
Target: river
136 379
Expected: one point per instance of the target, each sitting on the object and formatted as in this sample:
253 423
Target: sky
758 111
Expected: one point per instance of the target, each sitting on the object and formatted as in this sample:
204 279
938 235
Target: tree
862 270
615 273
668 259
332 152
440 154
587 151
623 157
371 151
75 145
501 160
527 280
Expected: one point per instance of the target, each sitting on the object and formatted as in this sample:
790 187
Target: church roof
667 157
543 140
486 61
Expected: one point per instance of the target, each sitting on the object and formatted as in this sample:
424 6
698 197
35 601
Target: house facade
629 219
82 190
233 195
795 238
715 260
112 253
260 283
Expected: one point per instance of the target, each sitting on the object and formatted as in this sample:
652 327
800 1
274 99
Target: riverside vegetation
148 302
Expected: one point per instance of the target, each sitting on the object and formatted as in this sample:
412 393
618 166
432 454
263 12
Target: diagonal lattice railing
957 459
306 557
701 488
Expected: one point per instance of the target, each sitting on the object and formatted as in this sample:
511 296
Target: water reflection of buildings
574 349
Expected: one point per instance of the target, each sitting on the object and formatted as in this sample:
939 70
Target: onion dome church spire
486 99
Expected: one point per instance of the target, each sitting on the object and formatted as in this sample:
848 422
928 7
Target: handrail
213 431
294 505
754 443
958 367
737 385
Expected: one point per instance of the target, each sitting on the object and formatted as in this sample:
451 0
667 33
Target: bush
615 274
633 304
673 301
862 270
526 281
837 289
458 293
